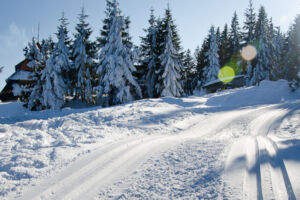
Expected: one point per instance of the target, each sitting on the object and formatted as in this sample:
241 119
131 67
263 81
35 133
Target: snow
236 144
225 79
22 75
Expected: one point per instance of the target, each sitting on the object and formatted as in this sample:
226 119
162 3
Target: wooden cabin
23 75
218 85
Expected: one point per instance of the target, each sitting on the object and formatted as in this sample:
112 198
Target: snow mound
268 92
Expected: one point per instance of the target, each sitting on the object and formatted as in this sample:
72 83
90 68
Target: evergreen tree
292 61
163 31
54 87
201 62
263 65
55 76
189 73
150 57
171 63
249 38
278 44
249 24
235 35
212 68
84 52
32 95
107 22
163 34
224 48
117 85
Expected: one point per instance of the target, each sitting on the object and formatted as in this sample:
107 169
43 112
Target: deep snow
241 143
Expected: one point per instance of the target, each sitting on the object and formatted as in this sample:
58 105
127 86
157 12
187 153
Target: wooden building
218 85
22 76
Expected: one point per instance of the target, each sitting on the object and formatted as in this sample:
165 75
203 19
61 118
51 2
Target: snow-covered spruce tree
249 24
263 60
107 22
189 73
54 87
62 49
211 70
172 68
163 27
117 84
278 44
150 58
32 96
292 60
84 52
249 37
55 75
224 48
235 35
201 62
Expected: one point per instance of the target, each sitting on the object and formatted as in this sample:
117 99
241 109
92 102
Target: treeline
112 70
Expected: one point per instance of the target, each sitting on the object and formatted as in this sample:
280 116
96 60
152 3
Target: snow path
256 158
237 144
105 166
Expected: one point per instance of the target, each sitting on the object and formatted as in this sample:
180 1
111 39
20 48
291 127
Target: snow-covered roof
22 75
223 80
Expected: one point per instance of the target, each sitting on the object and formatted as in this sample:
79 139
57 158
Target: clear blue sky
19 20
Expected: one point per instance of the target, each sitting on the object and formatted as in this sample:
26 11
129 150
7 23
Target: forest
112 70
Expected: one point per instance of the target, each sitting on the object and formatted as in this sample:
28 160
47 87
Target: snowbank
268 92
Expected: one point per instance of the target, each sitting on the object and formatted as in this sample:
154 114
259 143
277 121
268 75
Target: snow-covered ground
241 143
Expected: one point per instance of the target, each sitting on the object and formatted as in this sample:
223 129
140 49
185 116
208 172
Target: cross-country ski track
257 160
264 174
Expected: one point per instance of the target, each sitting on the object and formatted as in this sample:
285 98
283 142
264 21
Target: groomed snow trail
256 158
85 178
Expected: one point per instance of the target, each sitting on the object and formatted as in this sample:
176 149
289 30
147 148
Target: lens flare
249 52
226 74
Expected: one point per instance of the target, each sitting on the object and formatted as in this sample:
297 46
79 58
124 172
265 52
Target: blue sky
19 20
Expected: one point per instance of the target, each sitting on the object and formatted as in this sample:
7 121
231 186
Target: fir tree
117 85
263 65
292 58
249 24
107 22
201 62
189 73
235 34
278 44
224 48
150 58
212 68
84 52
171 63
32 96
54 87
55 75
63 53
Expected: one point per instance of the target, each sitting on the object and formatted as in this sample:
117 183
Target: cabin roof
222 80
21 75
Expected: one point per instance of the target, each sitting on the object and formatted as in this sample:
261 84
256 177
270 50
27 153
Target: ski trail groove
83 180
276 162
272 168
252 177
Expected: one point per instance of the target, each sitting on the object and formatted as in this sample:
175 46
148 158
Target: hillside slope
240 143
